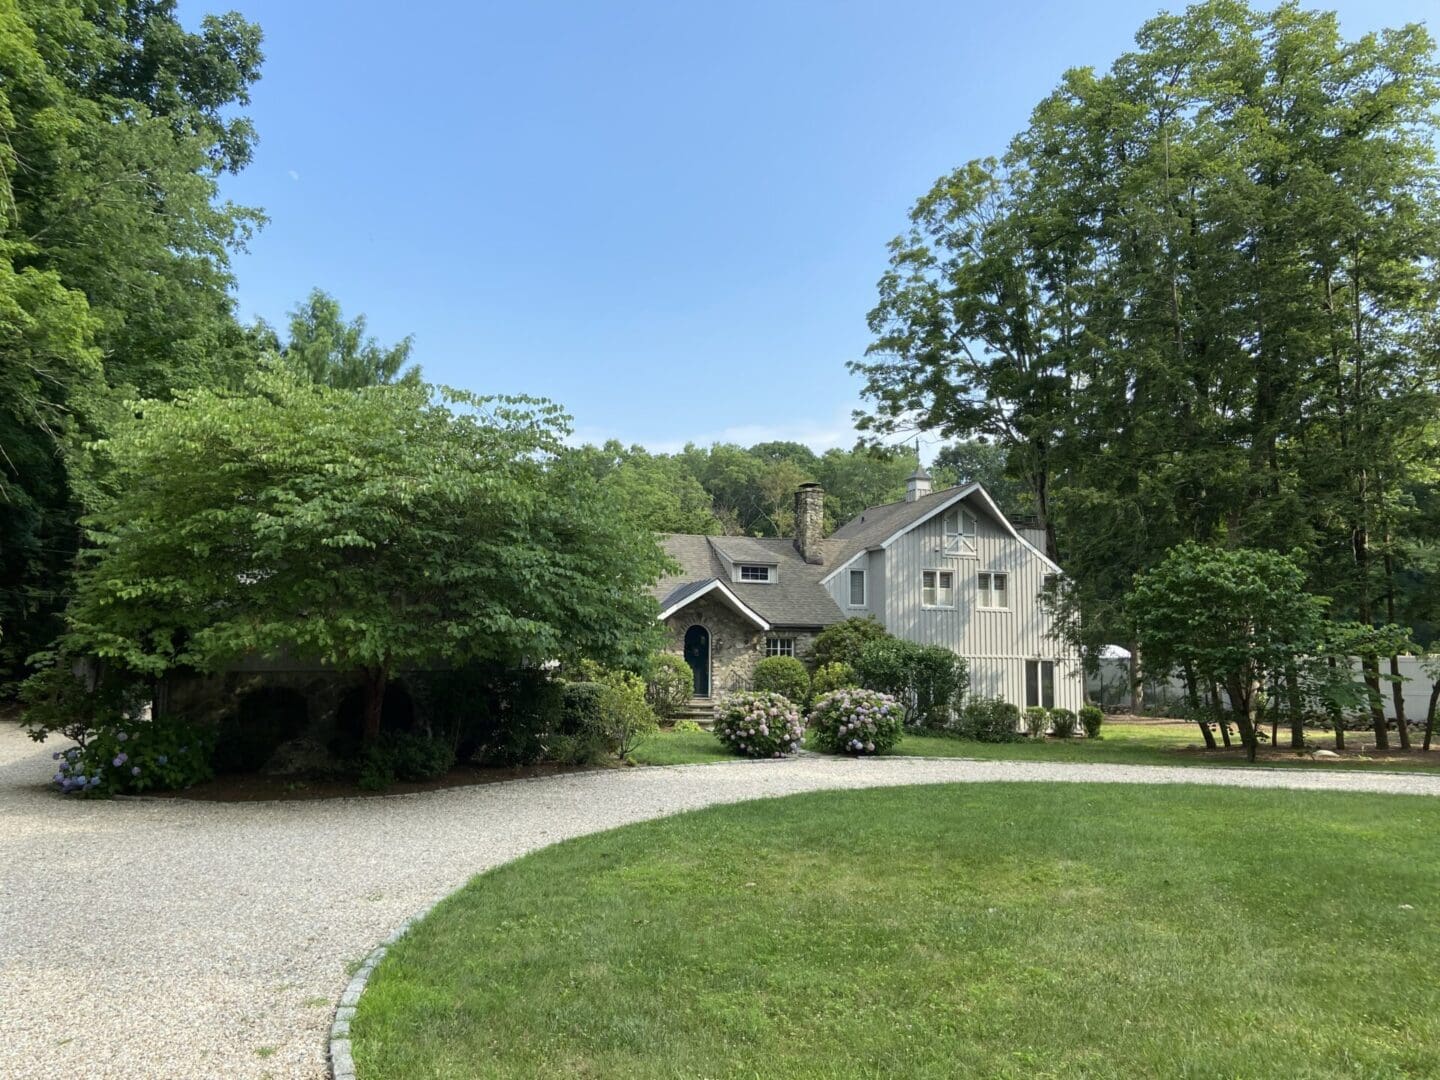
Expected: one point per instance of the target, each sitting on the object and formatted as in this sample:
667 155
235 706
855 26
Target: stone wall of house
736 646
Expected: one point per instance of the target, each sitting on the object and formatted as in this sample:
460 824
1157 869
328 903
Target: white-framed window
1040 684
780 646
937 588
994 591
754 573
959 525
857 588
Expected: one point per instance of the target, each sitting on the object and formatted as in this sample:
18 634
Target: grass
998 930
681 748
1121 744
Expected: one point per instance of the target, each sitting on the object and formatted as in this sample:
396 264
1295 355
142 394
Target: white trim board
715 583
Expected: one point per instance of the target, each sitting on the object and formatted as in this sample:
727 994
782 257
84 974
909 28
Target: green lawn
998 930
1122 743
681 748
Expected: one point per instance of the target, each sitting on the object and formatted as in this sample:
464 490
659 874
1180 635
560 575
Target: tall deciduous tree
338 352
115 123
374 529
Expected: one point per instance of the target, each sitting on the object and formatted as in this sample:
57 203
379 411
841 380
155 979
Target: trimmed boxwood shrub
1092 717
990 720
759 724
782 675
856 721
1037 720
1062 723
834 676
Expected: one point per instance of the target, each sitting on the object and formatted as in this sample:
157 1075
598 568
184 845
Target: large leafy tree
375 529
1196 301
115 124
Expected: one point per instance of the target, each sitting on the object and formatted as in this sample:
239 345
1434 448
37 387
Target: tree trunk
375 679
1337 716
1192 698
1137 680
1221 720
1430 713
1240 705
1397 690
1297 709
1370 667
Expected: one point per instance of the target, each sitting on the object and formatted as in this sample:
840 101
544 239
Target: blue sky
668 217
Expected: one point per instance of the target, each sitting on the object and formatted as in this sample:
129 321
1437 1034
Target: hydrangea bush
856 722
759 724
131 756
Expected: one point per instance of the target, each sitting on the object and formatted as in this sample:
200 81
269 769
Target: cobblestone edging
342 1062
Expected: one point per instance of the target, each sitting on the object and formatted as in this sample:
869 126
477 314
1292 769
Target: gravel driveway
150 938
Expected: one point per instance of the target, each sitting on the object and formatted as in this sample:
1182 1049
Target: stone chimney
810 522
917 486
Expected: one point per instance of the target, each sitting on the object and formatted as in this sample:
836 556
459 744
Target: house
940 567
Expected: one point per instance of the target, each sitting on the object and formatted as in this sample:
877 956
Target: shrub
833 676
625 717
687 727
580 740
514 722
1036 721
1092 717
759 725
842 642
856 722
927 680
262 720
1062 722
669 684
403 755
989 720
782 675
132 756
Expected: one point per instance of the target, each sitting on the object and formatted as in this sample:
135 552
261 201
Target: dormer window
752 572
959 532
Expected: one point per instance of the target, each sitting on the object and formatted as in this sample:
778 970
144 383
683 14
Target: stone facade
736 644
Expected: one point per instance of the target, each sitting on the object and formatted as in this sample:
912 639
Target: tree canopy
393 526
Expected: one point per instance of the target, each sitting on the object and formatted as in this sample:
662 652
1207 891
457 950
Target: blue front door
697 655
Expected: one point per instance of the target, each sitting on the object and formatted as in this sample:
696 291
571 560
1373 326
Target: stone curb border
342 1064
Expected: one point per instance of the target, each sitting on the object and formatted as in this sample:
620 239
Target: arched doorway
697 655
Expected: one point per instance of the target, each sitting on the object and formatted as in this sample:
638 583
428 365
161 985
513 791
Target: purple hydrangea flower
120 759
122 737
135 771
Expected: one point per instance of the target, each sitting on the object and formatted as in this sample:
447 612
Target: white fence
1111 687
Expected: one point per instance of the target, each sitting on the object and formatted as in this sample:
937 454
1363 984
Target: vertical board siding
995 643
839 587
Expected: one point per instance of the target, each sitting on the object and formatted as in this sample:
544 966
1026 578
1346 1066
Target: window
754 573
857 588
937 588
994 591
959 532
780 646
1050 582
1040 684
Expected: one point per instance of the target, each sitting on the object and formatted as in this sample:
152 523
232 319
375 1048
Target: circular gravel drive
167 938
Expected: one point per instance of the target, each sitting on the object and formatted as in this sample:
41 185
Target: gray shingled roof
796 599
875 525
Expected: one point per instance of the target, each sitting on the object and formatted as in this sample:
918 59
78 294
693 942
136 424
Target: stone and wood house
940 567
